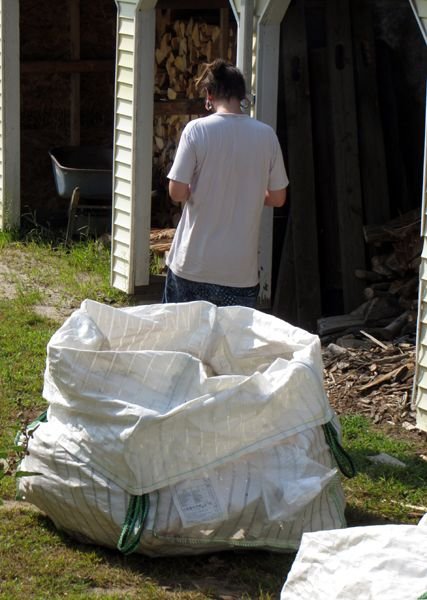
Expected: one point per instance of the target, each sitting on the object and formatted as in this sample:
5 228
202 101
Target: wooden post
345 149
301 172
74 7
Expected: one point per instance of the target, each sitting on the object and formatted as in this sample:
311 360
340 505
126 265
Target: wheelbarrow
83 172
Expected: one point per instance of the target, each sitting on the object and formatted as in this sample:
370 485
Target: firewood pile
160 243
182 47
391 288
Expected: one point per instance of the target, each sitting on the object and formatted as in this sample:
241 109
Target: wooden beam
74 8
67 66
345 149
326 201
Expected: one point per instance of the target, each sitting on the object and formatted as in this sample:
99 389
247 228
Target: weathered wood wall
355 71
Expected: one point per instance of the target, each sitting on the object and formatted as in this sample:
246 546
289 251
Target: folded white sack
207 422
378 562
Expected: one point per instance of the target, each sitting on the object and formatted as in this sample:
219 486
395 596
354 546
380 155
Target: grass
37 561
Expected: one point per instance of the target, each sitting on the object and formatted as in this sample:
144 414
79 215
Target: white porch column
133 134
10 171
267 73
245 33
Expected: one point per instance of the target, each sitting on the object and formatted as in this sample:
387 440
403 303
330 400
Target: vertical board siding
123 150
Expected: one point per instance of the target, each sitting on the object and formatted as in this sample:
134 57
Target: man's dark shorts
178 289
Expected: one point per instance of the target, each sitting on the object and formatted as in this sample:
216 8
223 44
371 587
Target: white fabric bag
378 562
206 421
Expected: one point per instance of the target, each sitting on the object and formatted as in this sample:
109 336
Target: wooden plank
67 66
397 173
345 149
301 166
371 140
74 9
326 202
285 305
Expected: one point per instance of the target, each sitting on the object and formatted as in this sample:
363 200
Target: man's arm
178 191
275 198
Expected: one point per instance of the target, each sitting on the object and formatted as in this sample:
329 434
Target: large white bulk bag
184 428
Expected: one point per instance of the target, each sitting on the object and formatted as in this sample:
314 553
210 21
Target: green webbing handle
134 524
344 460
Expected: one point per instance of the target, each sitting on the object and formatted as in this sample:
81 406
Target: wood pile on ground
160 243
391 287
373 381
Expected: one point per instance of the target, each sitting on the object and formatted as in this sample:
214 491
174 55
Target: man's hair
222 80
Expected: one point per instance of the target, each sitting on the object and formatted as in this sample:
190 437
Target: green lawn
37 561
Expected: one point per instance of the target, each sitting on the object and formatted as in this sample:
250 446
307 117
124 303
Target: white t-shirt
230 160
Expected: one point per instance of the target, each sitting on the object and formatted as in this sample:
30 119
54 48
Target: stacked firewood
182 48
391 286
160 243
167 131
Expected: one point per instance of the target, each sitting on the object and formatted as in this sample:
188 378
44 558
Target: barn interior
351 110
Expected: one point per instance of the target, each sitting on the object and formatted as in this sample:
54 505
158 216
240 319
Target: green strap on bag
344 460
134 524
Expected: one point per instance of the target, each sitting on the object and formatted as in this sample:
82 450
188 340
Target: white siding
133 145
420 383
9 115
123 146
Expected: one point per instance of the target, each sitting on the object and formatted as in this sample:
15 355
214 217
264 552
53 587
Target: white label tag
196 501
